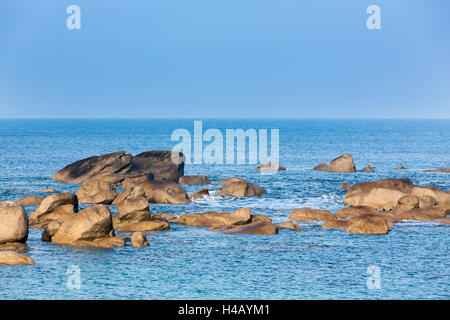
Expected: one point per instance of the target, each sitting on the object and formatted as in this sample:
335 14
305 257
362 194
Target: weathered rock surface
258 227
13 222
308 214
30 201
160 163
216 219
151 224
351 212
199 194
134 179
427 201
428 214
167 192
367 169
367 224
242 189
335 224
270 167
194 180
135 210
343 164
445 220
10 258
164 216
58 206
89 224
227 181
138 240
96 191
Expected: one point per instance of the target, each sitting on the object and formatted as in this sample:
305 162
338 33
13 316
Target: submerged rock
341 164
308 214
13 222
400 168
258 227
447 170
288 225
10 258
199 194
30 201
194 180
242 189
138 240
367 169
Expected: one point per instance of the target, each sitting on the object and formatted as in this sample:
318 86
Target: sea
412 261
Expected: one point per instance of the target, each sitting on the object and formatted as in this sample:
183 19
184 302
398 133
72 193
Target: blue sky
224 59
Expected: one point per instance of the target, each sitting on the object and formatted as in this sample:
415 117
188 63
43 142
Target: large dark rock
160 163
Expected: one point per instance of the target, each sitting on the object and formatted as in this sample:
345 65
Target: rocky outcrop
343 164
96 191
58 206
138 240
258 227
447 170
10 258
13 222
166 192
199 194
367 169
242 189
216 219
157 163
270 167
134 179
194 180
227 181
308 214
386 194
89 225
30 201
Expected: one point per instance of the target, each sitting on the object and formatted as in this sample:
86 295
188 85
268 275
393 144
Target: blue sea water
195 263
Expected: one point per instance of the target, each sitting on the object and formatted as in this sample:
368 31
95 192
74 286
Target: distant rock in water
199 194
367 169
159 163
308 214
242 189
400 168
341 164
447 170
270 167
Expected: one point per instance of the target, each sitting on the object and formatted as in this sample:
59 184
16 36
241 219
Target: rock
138 240
49 207
428 214
164 216
367 224
60 214
400 168
160 164
379 198
87 225
133 210
48 190
308 214
96 191
260 217
227 181
409 200
135 192
341 164
13 222
445 220
270 167
259 227
216 219
447 170
135 179
345 186
367 169
444 207
82 170
199 194
10 258
194 180
403 185
439 195
335 224
104 243
427 202
165 192
50 230
15 246
351 212
148 225
242 189
288 225
30 201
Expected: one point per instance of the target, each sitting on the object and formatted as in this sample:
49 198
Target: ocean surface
195 263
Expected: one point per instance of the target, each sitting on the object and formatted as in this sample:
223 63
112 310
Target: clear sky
225 58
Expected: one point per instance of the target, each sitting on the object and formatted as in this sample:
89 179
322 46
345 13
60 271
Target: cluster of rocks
131 183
